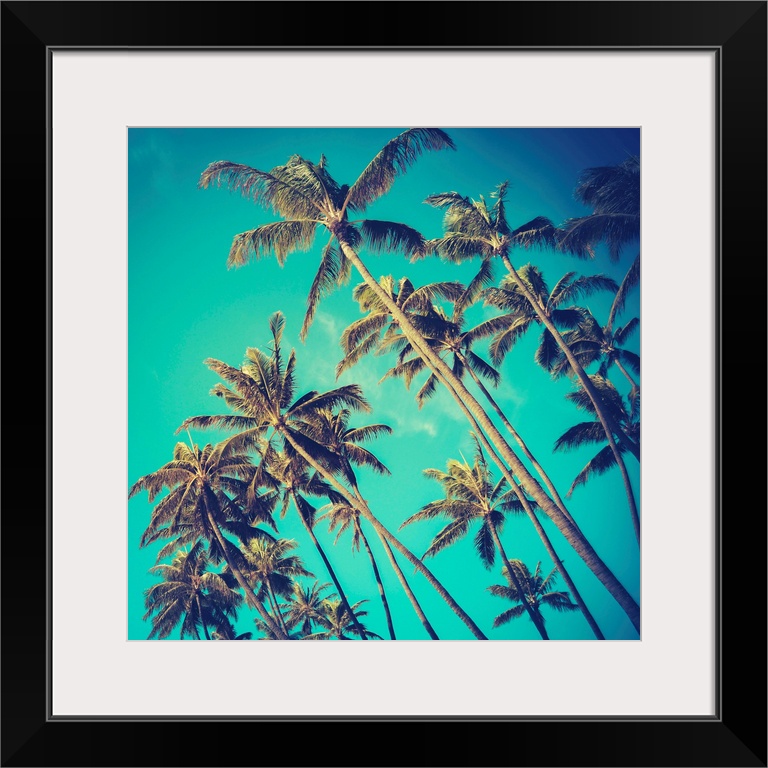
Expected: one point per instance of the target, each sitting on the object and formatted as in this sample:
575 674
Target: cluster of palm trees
291 453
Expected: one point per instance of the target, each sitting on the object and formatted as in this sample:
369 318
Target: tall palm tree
307 198
189 595
333 431
297 483
206 497
336 623
472 230
592 343
591 432
447 337
519 317
261 394
613 193
471 496
271 565
532 591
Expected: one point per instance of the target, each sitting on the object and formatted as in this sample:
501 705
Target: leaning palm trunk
379 584
332 574
241 580
608 424
408 591
400 575
473 409
627 376
362 507
523 447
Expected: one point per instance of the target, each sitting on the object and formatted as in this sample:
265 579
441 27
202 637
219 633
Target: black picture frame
736 736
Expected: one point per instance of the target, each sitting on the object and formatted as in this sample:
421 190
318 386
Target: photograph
384 384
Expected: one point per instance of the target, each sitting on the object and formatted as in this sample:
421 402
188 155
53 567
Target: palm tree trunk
526 452
377 576
470 405
362 506
515 582
408 591
275 606
329 568
250 595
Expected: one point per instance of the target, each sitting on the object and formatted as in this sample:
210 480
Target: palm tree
471 496
591 432
518 318
207 496
472 230
532 591
274 569
613 193
334 432
592 343
297 482
307 198
261 393
344 517
190 595
336 623
305 606
446 337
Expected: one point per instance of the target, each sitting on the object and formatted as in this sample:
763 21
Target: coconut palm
613 193
532 592
448 338
471 496
592 343
336 623
261 393
591 433
473 230
307 199
305 606
190 596
206 497
272 567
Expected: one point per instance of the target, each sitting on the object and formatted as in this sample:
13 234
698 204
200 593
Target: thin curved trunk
607 422
512 576
470 405
250 595
377 576
408 591
523 447
329 568
362 506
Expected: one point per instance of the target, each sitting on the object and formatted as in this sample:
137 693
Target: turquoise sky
185 306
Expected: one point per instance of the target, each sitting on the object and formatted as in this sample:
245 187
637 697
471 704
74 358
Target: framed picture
89 87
